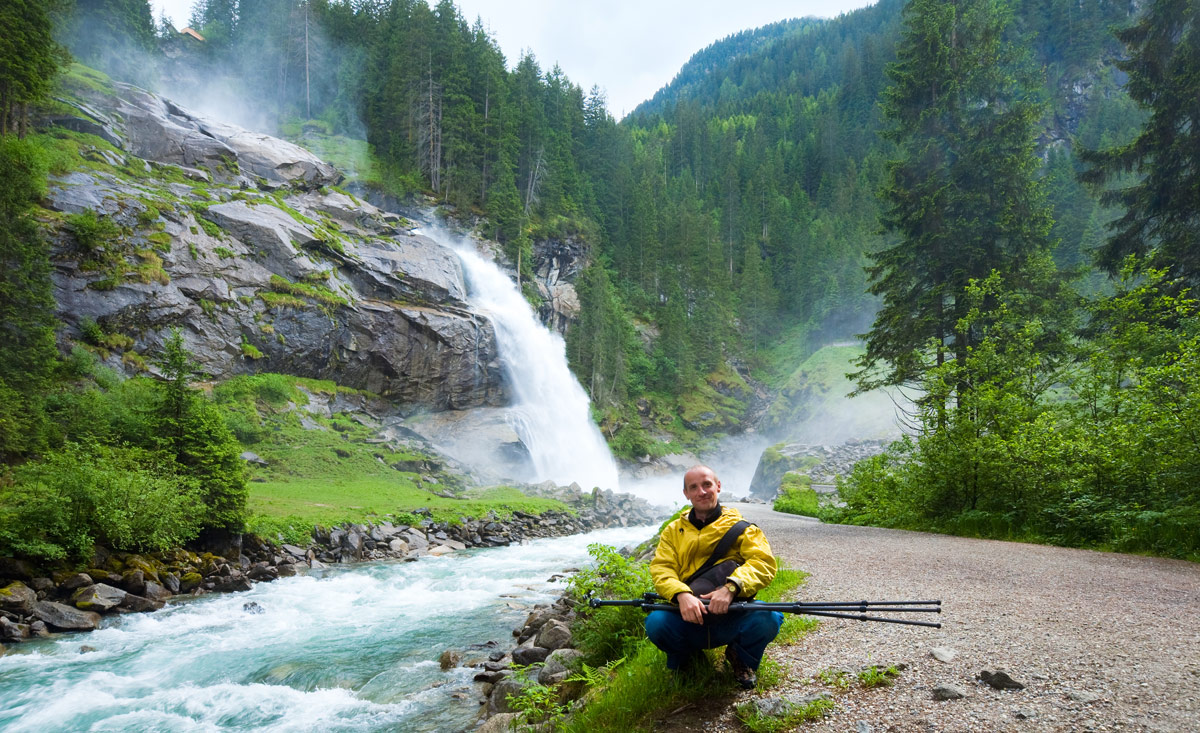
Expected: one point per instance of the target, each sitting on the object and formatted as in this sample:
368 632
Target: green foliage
98 28
837 678
193 430
957 85
797 497
608 633
1158 223
311 290
536 703
641 690
29 59
877 676
124 498
249 350
1095 451
27 352
95 233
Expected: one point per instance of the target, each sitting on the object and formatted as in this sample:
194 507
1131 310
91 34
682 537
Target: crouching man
712 553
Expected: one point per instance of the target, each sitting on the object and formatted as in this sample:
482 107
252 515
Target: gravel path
1102 641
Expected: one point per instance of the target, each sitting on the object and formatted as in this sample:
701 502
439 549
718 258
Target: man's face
701 487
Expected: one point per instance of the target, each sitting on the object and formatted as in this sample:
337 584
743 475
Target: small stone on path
1083 697
948 692
943 654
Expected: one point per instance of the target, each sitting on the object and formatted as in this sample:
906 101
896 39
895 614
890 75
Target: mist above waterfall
550 412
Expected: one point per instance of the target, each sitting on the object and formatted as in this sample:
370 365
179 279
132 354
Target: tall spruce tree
1162 209
961 199
27 320
29 58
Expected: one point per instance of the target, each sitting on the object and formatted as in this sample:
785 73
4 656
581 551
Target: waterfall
550 411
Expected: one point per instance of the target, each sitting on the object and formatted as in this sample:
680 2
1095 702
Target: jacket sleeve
664 568
758 567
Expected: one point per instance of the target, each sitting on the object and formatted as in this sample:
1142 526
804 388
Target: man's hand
719 600
691 608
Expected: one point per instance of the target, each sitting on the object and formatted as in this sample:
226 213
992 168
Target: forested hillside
796 184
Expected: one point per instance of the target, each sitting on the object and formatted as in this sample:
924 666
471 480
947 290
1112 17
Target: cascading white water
550 412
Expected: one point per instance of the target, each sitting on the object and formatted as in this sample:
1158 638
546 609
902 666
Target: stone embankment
34 604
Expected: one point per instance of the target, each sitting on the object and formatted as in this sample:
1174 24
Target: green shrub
148 215
607 633
249 350
92 231
124 498
797 497
91 331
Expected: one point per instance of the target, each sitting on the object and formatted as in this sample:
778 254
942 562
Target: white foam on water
350 648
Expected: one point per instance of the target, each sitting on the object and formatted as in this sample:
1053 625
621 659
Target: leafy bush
92 231
1095 451
124 498
607 633
796 496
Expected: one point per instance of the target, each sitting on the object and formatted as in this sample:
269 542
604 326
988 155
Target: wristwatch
733 588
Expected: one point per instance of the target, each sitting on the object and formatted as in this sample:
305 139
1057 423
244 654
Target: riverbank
35 603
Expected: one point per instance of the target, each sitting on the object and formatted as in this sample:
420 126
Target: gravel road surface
1101 641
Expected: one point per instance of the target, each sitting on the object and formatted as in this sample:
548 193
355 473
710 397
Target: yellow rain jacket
682 549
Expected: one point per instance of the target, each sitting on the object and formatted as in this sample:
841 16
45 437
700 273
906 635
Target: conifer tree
27 319
29 58
961 200
1162 209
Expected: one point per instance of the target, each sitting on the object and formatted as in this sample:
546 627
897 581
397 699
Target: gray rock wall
235 238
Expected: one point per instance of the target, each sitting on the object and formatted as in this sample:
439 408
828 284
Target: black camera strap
731 535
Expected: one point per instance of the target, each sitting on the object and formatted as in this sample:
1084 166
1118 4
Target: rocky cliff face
239 240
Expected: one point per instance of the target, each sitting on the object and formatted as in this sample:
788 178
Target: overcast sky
630 48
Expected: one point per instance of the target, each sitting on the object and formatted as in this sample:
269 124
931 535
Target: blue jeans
747 632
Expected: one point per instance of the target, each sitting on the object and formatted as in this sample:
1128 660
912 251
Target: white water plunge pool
348 649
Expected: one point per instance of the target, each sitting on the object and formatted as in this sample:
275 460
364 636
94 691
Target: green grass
78 77
796 715
796 497
877 676
642 690
332 475
314 291
795 627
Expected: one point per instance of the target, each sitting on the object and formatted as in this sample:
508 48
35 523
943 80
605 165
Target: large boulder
278 161
498 702
99 597
561 664
62 617
17 597
554 634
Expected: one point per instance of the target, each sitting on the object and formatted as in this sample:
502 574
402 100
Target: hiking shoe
743 674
